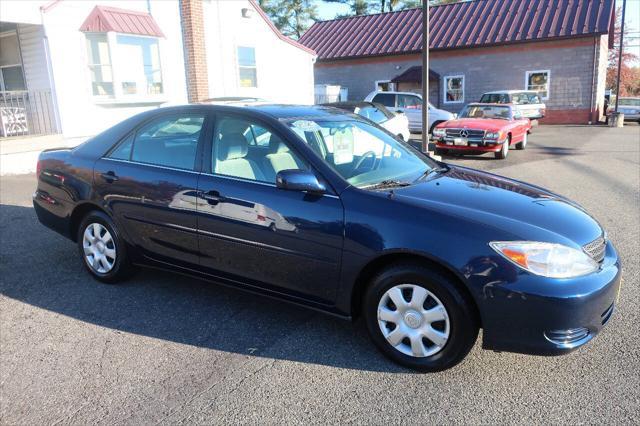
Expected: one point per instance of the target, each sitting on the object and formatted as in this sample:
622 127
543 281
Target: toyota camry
325 209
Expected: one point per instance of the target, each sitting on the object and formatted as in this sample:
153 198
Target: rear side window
169 141
534 99
386 99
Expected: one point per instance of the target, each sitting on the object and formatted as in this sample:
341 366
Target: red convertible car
483 128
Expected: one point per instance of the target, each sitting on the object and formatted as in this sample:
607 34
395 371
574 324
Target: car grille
471 133
596 249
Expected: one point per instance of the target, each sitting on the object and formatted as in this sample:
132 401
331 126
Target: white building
78 67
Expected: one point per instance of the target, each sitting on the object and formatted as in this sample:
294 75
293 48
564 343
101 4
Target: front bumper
479 146
543 316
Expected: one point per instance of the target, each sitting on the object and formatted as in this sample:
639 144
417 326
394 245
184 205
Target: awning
103 19
414 75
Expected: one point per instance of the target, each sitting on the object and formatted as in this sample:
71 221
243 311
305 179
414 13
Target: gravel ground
167 349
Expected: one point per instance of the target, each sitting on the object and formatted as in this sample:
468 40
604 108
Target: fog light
568 338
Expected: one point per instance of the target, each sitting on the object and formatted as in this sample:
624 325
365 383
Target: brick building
558 47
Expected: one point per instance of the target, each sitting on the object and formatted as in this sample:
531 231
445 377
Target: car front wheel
103 251
419 318
523 143
504 150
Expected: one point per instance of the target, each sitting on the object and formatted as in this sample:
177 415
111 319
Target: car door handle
212 197
109 176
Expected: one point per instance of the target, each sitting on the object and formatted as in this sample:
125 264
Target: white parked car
527 102
410 104
396 123
630 107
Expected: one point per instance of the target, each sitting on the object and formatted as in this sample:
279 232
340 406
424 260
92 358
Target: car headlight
439 132
493 135
546 259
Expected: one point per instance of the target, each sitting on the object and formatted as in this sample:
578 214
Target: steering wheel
363 158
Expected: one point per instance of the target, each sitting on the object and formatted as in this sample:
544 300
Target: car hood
474 123
521 210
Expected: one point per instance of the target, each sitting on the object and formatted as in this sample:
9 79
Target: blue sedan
325 209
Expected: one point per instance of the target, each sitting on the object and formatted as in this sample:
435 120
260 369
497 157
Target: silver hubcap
413 320
99 248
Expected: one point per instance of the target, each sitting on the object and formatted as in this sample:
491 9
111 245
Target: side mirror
299 180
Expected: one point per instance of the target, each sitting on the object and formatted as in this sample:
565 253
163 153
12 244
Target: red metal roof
459 25
103 19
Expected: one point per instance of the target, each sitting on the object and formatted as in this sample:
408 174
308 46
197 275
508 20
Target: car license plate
460 141
473 144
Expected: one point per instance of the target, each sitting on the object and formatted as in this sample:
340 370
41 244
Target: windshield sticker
343 146
306 126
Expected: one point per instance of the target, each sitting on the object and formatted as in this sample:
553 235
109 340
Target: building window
247 67
135 70
453 89
100 64
385 86
11 77
538 81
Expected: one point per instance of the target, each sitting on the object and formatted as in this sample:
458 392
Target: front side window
138 65
100 64
629 102
247 150
247 67
169 141
454 89
409 102
539 82
361 153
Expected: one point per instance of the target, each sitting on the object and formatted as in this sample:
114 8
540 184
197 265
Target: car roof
350 104
490 104
394 92
509 92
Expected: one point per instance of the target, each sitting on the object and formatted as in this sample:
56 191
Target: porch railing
27 113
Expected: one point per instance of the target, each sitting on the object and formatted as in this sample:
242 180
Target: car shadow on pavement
43 269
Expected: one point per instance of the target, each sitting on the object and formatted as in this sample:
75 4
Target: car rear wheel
523 144
418 318
504 150
103 251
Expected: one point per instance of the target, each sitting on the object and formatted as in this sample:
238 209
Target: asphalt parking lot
163 348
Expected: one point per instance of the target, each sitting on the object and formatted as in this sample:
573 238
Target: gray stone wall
570 63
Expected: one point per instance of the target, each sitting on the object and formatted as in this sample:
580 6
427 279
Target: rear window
386 99
495 98
373 114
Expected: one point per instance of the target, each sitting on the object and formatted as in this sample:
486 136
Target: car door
149 183
411 105
253 232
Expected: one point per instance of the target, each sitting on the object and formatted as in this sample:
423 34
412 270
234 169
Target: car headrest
277 145
232 146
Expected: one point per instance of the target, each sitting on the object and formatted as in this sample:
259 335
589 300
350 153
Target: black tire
504 150
122 267
463 326
523 145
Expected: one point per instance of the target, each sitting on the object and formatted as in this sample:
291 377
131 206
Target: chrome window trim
151 165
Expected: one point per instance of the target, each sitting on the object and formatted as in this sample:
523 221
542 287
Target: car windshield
363 154
629 102
486 111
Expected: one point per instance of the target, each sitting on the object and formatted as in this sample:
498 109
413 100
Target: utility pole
425 75
624 7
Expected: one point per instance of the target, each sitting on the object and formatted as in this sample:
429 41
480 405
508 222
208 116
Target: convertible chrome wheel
413 320
99 248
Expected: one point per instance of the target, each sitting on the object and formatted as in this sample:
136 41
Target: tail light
38 168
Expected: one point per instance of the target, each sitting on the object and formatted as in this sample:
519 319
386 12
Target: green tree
291 17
